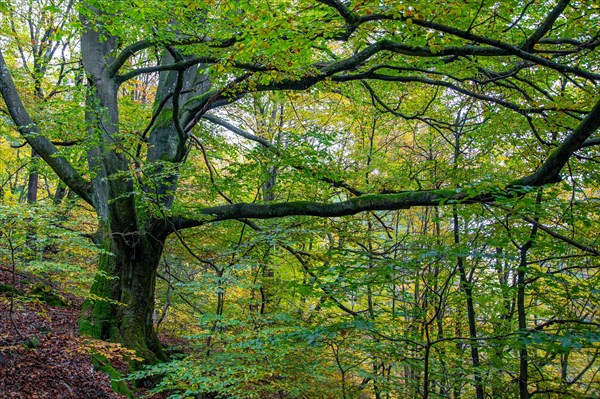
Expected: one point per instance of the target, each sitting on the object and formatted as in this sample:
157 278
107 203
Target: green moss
102 317
134 337
32 343
98 315
45 294
116 378
98 319
164 118
4 288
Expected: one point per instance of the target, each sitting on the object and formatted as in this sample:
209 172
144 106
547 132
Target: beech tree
533 63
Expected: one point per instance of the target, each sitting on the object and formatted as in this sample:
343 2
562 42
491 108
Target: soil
42 354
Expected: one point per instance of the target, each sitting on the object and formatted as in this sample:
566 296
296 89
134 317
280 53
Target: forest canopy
354 199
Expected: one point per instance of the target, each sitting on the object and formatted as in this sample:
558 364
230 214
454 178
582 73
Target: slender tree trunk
521 311
32 195
467 287
32 181
521 315
426 357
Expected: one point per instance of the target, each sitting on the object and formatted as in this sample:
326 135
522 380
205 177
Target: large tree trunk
123 294
122 300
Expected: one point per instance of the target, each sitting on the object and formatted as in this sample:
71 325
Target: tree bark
122 303
122 300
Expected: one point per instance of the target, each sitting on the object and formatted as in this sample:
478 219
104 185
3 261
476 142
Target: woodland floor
42 354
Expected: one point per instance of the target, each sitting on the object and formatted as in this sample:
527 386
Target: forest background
326 198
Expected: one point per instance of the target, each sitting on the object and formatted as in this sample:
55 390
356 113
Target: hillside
41 352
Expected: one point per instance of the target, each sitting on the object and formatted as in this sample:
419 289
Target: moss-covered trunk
121 303
138 280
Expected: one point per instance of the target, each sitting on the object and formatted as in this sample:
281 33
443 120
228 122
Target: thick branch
348 15
546 25
177 66
29 130
509 48
352 206
496 47
547 173
127 52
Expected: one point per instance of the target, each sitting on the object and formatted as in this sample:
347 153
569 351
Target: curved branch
31 133
496 47
547 173
125 54
236 130
562 68
432 82
552 233
348 15
133 48
352 206
176 66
